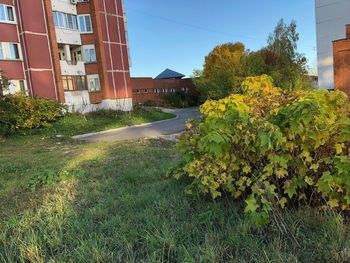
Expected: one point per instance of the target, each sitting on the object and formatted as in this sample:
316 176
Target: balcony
72 69
68 36
64 6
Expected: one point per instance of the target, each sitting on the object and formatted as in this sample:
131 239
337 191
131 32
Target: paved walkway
160 128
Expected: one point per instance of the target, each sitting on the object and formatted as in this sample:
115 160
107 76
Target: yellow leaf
280 173
339 148
309 180
333 203
315 167
282 202
247 169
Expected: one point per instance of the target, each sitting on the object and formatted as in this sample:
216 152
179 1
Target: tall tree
285 64
223 71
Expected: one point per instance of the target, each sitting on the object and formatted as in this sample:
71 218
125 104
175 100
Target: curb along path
150 130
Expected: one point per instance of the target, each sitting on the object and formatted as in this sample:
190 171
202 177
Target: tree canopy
228 64
223 70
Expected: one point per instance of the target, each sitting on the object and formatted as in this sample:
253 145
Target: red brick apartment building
169 81
73 51
341 57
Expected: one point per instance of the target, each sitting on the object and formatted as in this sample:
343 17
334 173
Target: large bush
181 99
271 148
21 112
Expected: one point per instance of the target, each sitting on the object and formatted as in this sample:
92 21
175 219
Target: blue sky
178 34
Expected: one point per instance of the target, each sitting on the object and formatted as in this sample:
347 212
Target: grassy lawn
66 201
75 124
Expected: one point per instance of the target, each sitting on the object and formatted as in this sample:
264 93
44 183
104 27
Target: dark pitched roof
170 74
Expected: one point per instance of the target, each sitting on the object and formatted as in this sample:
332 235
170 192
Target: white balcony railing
68 69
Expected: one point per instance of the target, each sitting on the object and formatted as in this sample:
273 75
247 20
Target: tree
223 71
228 64
285 64
255 63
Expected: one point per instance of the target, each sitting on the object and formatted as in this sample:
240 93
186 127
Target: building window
76 56
94 83
6 13
10 51
1 52
14 52
17 86
74 83
85 25
90 55
184 90
65 21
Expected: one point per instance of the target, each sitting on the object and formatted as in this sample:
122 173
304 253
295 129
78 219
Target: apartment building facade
332 16
72 51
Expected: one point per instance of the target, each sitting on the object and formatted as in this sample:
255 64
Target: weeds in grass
114 204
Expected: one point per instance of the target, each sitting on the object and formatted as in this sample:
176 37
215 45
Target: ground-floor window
74 83
94 83
16 86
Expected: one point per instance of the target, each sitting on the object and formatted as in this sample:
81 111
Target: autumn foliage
271 148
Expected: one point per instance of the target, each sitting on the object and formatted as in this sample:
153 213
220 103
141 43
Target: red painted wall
36 48
114 48
144 88
9 33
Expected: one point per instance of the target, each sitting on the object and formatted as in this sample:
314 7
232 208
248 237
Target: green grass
66 201
74 124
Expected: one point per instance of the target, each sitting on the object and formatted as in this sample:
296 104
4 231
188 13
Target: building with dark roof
167 82
170 74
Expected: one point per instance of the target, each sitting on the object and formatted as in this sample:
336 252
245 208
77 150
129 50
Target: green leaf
247 169
252 205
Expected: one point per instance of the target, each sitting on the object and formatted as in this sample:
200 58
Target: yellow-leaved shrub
271 148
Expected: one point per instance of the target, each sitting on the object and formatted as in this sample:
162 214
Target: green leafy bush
21 112
271 148
181 99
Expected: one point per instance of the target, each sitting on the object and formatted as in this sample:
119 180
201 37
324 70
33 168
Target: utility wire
203 28
192 25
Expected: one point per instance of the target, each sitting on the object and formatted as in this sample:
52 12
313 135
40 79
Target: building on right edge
333 44
341 54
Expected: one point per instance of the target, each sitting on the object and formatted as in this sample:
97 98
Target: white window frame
89 48
64 17
80 26
93 77
6 51
4 7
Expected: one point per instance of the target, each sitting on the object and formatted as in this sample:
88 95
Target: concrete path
160 128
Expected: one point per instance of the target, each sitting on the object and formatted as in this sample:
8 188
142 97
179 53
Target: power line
203 28
192 25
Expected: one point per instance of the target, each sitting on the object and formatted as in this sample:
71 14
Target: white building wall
331 18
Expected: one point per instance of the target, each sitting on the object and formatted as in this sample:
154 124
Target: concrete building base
86 106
